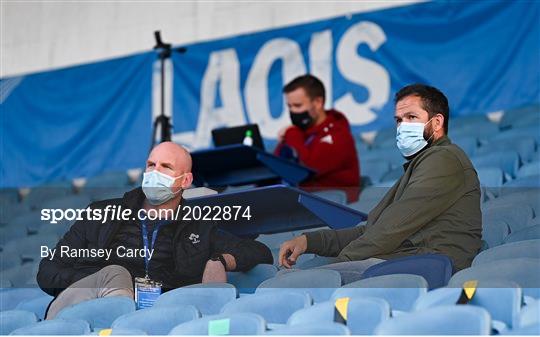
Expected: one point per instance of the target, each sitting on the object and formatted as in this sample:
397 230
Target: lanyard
309 140
146 246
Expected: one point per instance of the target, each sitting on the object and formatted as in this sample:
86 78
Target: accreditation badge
146 292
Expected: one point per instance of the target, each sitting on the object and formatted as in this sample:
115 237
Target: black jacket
189 259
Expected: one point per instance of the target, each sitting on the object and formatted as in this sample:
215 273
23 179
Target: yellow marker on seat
105 332
341 306
470 288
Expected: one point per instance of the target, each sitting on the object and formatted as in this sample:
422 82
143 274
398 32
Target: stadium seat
470 122
7 262
513 117
22 276
328 329
494 232
531 330
108 180
79 201
319 283
10 298
274 240
274 307
120 332
375 169
436 269
13 319
393 174
517 197
363 314
529 169
157 320
522 184
50 191
467 143
100 312
28 248
529 233
523 271
315 261
233 324
399 290
508 161
501 299
247 282
517 216
483 132
445 320
491 179
208 298
525 146
389 154
530 314
36 305
55 327
527 248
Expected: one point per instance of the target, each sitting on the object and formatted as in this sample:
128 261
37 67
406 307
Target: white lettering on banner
223 74
256 91
320 61
362 71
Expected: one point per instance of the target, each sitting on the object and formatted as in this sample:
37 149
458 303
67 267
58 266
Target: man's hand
214 271
289 251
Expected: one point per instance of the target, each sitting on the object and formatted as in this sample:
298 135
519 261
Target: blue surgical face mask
410 138
157 187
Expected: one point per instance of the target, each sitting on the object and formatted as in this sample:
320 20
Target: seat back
208 298
445 320
527 248
399 290
332 329
247 282
55 327
99 312
157 321
36 305
436 269
234 324
319 283
11 320
274 307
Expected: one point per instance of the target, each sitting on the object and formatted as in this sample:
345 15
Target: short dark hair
433 100
311 84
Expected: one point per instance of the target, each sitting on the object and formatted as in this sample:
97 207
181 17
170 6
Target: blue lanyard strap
146 246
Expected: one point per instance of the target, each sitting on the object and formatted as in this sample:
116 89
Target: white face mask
410 138
157 187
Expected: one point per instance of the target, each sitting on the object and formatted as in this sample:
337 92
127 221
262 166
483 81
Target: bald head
169 158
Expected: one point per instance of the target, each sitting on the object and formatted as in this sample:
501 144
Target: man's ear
439 122
187 180
318 102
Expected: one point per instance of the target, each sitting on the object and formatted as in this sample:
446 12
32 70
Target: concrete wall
37 36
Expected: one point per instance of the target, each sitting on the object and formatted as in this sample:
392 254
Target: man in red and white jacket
320 139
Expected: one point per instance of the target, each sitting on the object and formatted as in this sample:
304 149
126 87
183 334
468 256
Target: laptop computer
236 134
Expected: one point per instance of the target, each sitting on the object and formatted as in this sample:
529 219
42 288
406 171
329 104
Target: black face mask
303 120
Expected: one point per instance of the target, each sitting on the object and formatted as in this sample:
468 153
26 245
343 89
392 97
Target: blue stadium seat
157 321
515 117
470 122
445 320
28 248
517 216
494 232
108 180
523 197
530 330
527 248
22 276
275 240
55 327
36 305
508 161
10 298
274 307
467 143
100 312
375 169
247 282
521 184
120 332
7 262
79 201
31 221
491 180
363 314
525 146
13 319
523 271
328 329
399 290
501 299
40 194
482 132
529 233
393 175
233 324
436 269
384 135
208 298
530 314
315 261
529 169
389 154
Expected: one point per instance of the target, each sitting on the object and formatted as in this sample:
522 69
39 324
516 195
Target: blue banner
76 122
484 55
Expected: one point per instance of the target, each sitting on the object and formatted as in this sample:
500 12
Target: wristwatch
219 257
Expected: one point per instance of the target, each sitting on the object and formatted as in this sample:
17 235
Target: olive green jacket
433 208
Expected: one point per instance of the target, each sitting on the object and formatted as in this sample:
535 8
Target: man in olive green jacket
433 208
